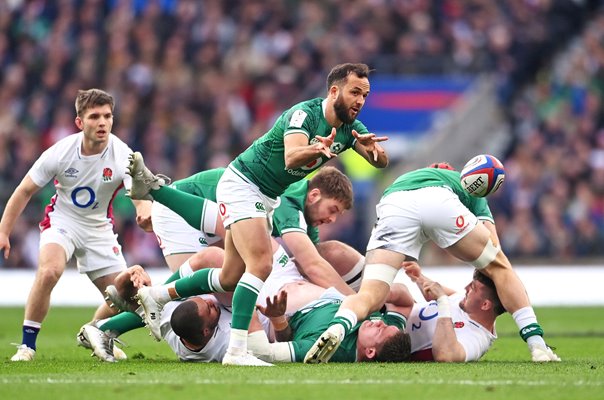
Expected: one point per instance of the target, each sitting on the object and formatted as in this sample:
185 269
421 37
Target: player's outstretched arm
14 207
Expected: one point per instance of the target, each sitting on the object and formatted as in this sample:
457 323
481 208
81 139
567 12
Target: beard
342 111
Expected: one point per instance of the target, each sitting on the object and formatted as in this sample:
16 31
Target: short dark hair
492 291
186 323
442 165
91 98
333 184
339 74
396 348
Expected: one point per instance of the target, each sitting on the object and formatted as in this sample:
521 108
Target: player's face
351 98
322 210
96 123
475 297
208 311
374 334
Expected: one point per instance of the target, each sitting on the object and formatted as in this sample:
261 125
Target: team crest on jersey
71 173
458 324
107 174
116 251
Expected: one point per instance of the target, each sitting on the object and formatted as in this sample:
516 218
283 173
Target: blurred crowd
196 82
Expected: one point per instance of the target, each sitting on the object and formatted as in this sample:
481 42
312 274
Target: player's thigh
253 243
471 246
233 266
51 262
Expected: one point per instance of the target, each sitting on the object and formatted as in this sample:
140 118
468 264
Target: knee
49 274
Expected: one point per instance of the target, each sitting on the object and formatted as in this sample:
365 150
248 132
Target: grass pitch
64 371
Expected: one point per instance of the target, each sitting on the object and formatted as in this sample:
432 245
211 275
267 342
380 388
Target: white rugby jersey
85 185
421 324
214 350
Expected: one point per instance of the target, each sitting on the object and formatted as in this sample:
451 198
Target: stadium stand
197 81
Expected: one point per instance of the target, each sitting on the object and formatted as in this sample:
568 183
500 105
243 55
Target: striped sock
244 304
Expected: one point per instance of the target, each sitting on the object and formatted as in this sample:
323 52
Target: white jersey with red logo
85 185
421 324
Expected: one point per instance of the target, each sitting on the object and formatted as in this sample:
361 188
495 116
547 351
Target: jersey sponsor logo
313 164
107 174
296 172
222 209
297 119
83 197
460 222
71 173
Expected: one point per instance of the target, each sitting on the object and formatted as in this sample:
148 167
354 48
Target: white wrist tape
444 308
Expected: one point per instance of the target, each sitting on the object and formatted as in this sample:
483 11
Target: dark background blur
196 82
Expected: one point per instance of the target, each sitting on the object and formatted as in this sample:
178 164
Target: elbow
445 356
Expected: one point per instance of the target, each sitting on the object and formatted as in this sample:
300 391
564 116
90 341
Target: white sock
185 269
238 342
524 317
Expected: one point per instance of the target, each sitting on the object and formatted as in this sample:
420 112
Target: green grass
64 371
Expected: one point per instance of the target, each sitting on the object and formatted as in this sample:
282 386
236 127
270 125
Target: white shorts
408 219
284 271
97 251
176 236
239 199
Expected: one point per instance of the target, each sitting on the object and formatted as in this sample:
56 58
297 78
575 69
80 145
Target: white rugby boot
245 359
101 344
543 354
117 301
152 310
143 180
23 353
325 346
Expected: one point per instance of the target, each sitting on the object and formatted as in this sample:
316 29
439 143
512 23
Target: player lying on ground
464 335
430 204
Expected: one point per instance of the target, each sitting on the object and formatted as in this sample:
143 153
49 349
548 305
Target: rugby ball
482 175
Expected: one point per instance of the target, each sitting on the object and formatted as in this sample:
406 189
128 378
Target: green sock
122 323
188 206
175 276
244 301
199 282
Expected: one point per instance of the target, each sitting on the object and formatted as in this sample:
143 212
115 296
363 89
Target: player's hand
276 307
145 223
433 290
143 214
5 245
139 277
370 142
324 145
413 270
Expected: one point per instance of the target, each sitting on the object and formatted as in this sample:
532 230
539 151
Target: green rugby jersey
427 177
309 323
264 161
289 216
